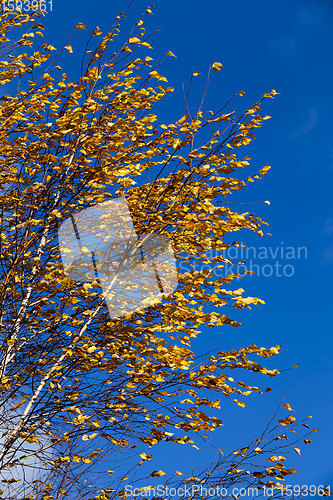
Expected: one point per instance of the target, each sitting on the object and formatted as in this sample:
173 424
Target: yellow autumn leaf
94 73
134 40
157 473
272 458
69 48
240 403
288 407
96 31
274 350
86 437
91 349
171 54
217 66
32 439
155 74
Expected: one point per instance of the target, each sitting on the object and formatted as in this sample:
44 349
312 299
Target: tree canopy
78 387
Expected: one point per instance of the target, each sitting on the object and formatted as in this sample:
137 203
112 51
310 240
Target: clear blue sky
286 45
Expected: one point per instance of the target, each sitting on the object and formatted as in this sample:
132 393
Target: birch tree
80 388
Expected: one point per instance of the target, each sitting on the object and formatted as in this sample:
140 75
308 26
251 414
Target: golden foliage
70 376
